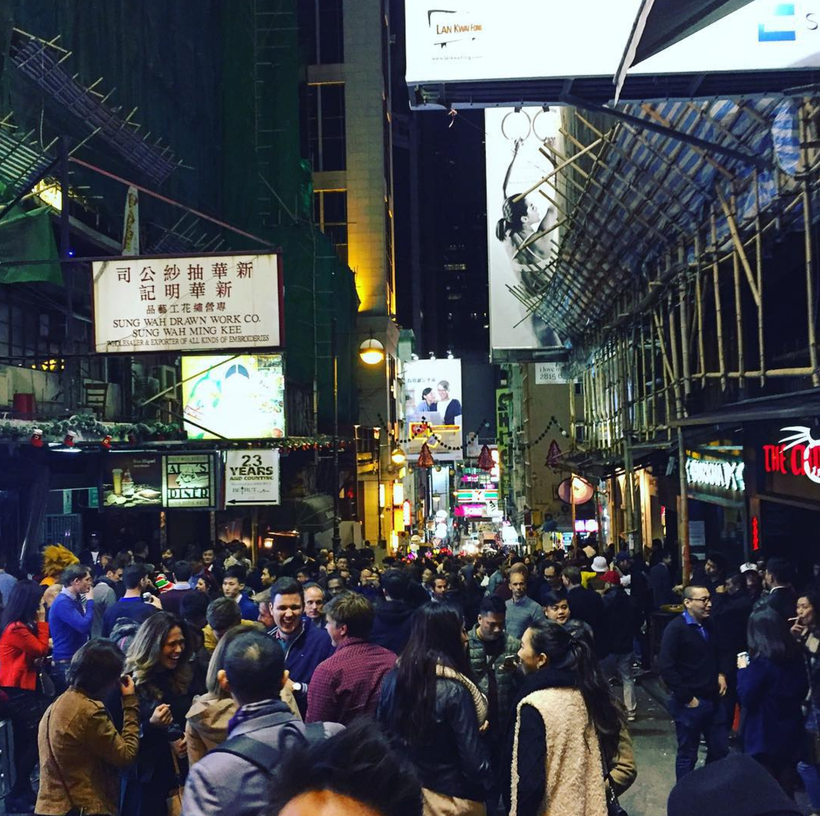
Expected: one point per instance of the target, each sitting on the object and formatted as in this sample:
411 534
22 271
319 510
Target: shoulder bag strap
54 760
265 757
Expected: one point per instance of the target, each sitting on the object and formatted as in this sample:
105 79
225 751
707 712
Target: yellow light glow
398 493
381 495
371 352
398 457
49 193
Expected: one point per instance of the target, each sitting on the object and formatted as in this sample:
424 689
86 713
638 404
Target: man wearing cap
693 667
619 622
599 567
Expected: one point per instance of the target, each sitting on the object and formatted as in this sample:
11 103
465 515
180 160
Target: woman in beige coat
81 752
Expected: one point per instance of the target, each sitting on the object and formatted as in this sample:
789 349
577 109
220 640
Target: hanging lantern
68 441
425 457
106 442
37 438
485 459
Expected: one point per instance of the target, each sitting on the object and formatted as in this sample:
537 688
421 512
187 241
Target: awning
762 409
660 23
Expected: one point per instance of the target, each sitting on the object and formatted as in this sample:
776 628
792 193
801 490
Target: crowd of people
500 684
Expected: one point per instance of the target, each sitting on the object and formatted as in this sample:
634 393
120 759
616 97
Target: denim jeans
709 719
810 774
621 665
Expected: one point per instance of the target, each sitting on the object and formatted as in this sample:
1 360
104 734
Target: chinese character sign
187 303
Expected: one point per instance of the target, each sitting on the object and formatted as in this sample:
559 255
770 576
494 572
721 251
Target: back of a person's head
768 635
222 614
357 770
492 605
182 571
96 666
734 786
396 584
254 664
132 575
352 610
781 570
217 661
194 606
22 603
573 575
436 634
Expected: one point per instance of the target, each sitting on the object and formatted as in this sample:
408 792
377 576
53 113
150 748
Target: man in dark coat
391 627
586 605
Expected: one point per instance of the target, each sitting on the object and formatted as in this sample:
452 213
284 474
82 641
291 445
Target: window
330 215
326 126
321 27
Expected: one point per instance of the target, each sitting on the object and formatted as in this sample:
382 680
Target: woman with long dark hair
566 720
23 645
806 631
431 705
772 686
159 661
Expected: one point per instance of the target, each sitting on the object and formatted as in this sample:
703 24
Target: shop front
784 464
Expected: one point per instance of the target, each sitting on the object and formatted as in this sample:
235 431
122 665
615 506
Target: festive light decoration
485 459
106 442
37 438
425 457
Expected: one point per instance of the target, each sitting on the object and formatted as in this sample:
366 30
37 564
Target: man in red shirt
347 684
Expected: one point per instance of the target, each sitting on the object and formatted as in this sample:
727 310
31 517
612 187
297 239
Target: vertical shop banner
238 397
434 408
189 303
188 480
132 480
523 234
252 477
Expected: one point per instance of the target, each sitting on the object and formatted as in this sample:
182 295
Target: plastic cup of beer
116 478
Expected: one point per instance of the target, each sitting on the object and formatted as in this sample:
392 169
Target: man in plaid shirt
347 684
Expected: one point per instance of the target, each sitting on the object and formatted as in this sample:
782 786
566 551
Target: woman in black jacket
436 712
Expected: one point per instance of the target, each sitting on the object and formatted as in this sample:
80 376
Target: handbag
75 811
173 801
613 806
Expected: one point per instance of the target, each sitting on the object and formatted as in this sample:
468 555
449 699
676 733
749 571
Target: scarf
479 700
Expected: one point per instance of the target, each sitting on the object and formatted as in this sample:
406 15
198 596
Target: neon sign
755 534
724 473
795 455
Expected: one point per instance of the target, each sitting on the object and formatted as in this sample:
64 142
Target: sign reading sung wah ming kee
187 303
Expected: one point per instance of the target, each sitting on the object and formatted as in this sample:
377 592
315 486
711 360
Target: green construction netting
29 236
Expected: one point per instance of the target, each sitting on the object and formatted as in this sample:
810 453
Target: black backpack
266 757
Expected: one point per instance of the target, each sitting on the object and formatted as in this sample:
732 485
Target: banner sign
797 454
252 477
484 40
188 303
521 235
236 397
433 410
188 480
132 480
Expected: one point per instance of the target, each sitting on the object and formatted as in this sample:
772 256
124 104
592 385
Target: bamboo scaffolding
718 310
809 248
759 272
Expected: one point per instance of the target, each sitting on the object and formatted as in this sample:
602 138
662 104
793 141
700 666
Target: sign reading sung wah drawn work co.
187 303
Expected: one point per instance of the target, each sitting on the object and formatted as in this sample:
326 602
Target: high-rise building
348 128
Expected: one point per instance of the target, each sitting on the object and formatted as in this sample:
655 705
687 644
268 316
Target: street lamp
371 351
398 457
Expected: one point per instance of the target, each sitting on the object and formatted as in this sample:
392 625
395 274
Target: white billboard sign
252 477
434 410
151 304
549 374
517 144
485 40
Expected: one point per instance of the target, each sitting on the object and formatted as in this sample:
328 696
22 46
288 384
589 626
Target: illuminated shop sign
798 454
726 474
188 480
476 496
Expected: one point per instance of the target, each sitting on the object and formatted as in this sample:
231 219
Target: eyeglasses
707 599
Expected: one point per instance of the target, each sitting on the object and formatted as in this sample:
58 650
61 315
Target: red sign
755 533
796 455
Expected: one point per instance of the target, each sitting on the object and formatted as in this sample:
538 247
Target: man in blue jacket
70 619
305 646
